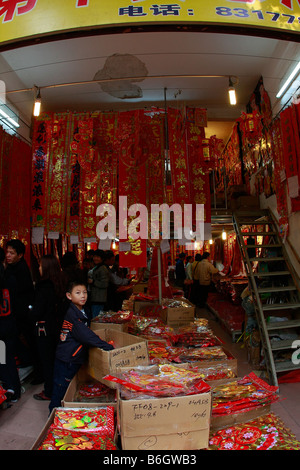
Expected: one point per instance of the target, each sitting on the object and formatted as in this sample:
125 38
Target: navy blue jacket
76 337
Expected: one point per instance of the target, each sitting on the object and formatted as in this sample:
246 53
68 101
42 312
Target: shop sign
31 18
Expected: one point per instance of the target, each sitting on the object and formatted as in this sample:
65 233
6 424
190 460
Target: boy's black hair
16 245
74 283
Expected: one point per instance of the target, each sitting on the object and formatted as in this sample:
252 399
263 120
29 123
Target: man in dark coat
18 281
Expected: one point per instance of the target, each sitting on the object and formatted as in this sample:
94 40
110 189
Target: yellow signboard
31 18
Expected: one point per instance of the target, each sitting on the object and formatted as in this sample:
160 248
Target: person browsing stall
75 339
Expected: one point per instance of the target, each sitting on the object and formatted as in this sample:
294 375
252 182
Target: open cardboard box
232 419
43 434
129 351
172 423
82 377
96 325
178 316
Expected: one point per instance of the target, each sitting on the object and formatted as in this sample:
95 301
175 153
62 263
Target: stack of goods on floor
112 319
163 387
225 303
267 432
180 339
242 417
80 429
161 407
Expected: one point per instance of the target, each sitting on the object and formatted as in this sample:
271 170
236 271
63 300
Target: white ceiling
152 54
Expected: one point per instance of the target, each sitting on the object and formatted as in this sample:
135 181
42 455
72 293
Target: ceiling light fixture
233 80
13 122
37 103
231 92
4 117
288 80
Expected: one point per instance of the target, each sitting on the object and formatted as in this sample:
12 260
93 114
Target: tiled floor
21 424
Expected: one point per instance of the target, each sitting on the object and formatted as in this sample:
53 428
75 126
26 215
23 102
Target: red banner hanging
291 146
178 157
199 174
132 176
58 173
40 169
155 163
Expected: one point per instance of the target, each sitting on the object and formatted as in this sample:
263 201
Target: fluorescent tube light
288 81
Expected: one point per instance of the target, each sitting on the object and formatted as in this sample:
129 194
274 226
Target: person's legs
63 374
8 372
97 309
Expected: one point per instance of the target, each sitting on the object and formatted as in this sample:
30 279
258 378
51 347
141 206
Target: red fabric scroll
198 168
155 163
130 134
40 169
291 146
58 173
178 157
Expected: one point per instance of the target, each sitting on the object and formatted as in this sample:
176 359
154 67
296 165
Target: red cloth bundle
264 433
2 395
95 420
58 439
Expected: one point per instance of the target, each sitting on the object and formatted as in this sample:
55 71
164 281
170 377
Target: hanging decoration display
73 192
178 157
40 170
251 127
198 161
15 173
155 163
58 173
131 134
232 161
291 146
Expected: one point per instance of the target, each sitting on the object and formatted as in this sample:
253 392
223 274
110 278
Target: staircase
275 289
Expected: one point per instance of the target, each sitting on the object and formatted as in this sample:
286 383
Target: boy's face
12 256
78 296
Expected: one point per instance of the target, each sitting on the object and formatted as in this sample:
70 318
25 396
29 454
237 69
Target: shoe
11 397
41 396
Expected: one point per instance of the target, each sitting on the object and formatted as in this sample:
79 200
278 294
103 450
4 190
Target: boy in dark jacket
75 338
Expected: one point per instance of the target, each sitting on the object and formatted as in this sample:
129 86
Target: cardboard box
82 376
220 422
129 351
44 432
96 325
140 304
178 316
173 423
140 288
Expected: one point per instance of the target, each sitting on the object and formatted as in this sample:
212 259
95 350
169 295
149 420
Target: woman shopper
47 313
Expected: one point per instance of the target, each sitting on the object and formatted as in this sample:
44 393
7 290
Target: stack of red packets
81 429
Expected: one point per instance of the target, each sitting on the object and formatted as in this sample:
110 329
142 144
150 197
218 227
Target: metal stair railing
265 217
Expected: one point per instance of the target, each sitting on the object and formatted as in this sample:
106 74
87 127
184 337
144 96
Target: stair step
282 306
276 289
268 260
282 344
275 245
286 366
272 273
252 213
247 234
254 222
280 325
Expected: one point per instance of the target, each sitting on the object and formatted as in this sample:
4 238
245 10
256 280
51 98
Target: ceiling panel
159 54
